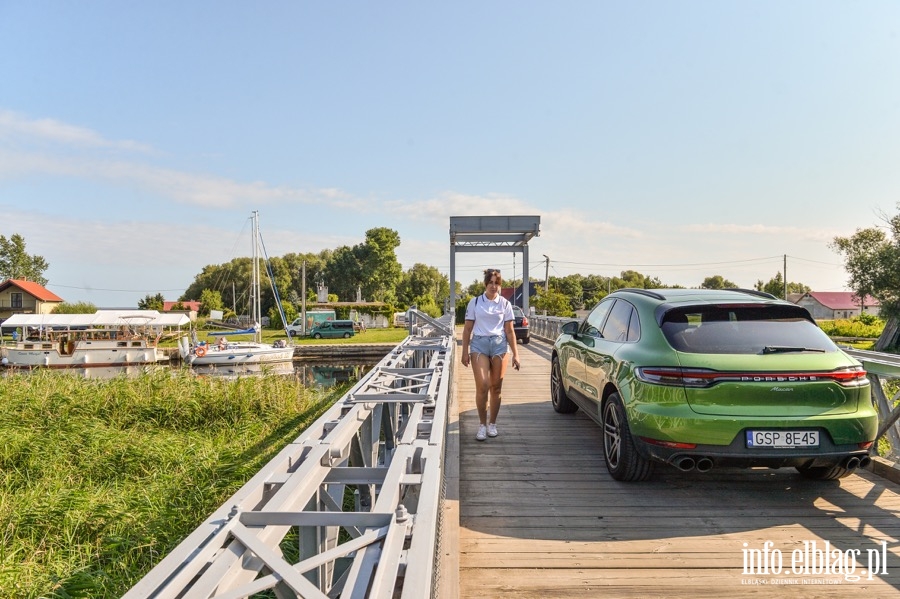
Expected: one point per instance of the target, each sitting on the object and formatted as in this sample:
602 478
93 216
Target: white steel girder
381 446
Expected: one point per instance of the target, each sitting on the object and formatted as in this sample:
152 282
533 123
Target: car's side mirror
570 328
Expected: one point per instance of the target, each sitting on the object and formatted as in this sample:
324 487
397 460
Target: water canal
311 373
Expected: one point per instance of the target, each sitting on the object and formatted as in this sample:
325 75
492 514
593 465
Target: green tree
554 302
420 281
717 282
152 302
775 286
231 280
370 267
210 299
380 268
343 273
16 263
76 308
872 260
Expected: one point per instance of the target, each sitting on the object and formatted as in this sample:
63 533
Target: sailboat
227 352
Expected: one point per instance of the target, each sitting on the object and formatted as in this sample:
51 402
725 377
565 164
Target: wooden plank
539 515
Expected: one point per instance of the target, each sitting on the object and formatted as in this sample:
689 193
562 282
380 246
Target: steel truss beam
354 499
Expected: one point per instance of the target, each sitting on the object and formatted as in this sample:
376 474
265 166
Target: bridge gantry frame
492 234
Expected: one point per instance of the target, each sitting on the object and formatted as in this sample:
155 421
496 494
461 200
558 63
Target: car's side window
616 327
634 327
594 322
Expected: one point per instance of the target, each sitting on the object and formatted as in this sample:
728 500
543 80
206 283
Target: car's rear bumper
737 454
668 433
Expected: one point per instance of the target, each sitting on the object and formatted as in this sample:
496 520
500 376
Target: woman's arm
511 339
466 336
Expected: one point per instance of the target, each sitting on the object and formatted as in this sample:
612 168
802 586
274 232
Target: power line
116 290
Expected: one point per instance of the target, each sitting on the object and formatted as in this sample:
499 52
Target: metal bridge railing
378 449
883 371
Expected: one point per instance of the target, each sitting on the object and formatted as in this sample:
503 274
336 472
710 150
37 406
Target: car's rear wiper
777 349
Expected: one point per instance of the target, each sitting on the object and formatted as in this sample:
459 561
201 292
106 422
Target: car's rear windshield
743 329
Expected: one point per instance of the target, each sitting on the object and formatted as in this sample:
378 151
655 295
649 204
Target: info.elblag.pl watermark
816 562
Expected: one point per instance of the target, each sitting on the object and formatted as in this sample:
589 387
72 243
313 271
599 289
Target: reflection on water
311 374
314 374
236 370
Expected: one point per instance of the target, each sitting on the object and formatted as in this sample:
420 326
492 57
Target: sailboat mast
255 284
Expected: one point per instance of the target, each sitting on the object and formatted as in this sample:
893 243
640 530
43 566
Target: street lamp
547 274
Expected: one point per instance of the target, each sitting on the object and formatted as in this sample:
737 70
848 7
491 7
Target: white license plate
786 439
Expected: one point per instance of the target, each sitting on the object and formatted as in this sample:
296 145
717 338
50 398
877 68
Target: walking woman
488 336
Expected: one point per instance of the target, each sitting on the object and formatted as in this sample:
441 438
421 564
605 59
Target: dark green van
332 328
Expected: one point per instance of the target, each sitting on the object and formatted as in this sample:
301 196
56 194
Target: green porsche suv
700 378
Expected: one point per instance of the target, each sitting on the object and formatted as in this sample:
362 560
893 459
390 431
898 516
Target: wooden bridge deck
538 515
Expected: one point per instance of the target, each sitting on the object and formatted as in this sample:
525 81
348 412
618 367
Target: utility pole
785 277
303 301
547 275
512 280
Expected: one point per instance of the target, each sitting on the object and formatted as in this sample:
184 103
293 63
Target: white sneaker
481 435
492 430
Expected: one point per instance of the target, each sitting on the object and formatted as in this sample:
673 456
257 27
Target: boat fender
200 351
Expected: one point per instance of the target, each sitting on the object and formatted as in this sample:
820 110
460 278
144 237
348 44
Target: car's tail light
524 321
853 376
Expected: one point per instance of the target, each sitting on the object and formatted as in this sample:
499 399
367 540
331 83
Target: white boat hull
242 353
83 355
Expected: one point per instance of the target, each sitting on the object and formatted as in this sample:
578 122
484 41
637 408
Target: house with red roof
191 308
26 297
831 305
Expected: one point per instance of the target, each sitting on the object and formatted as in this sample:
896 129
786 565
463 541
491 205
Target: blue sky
680 139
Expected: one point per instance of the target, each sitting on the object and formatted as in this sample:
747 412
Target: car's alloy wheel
561 401
622 459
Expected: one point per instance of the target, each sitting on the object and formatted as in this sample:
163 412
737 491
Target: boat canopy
102 318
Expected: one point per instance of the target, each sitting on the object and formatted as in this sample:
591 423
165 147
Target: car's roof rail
646 292
755 292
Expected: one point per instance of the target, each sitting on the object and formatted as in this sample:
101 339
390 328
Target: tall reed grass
99 479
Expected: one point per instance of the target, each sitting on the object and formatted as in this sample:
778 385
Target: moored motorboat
105 338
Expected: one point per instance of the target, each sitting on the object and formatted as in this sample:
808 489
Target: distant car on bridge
521 325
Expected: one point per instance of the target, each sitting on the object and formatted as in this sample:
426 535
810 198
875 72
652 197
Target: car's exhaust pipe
704 464
851 463
684 463
865 461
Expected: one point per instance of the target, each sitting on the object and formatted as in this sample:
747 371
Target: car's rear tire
561 401
291 333
622 459
346 335
525 340
824 472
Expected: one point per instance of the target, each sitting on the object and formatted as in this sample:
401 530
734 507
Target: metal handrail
382 444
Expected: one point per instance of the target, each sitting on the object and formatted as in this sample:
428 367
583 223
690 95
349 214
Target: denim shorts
489 345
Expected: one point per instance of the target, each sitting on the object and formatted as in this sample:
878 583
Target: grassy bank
100 478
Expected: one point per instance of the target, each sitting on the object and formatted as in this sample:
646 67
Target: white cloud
18 126
805 233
